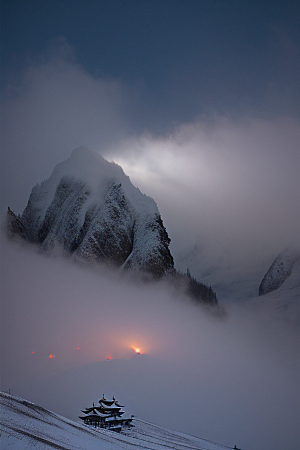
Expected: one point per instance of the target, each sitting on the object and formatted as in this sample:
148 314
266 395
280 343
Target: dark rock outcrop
279 271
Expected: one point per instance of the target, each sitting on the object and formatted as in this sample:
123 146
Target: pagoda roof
87 410
110 408
120 406
95 412
106 411
100 414
107 402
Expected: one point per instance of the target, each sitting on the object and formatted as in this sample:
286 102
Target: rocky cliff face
279 271
90 209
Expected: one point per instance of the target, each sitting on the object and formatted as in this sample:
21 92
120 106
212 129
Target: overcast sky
199 102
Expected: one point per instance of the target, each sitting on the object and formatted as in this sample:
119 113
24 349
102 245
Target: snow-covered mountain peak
89 166
88 207
96 172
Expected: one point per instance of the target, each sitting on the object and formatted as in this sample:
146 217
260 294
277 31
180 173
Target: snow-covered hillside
25 425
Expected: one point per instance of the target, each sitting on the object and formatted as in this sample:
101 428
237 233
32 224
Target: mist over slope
25 425
232 374
61 322
242 283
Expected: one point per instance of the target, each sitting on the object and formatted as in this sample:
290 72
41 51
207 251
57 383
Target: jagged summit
88 207
97 173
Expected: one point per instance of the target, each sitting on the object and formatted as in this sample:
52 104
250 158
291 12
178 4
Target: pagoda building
108 414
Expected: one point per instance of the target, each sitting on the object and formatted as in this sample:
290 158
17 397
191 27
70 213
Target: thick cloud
230 186
55 107
231 380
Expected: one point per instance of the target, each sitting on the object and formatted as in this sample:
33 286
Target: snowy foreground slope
25 425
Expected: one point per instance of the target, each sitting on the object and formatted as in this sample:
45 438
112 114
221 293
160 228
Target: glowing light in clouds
137 350
150 159
172 162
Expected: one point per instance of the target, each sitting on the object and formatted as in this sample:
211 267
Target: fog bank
238 376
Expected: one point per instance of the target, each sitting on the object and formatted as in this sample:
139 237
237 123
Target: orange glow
32 353
136 349
77 348
50 356
109 357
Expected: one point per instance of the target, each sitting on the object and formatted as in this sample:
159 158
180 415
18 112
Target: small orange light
32 353
77 348
50 356
137 350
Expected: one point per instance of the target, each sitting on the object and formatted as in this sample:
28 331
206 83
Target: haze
200 106
228 183
232 373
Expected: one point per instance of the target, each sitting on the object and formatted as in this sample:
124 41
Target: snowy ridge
25 425
97 173
89 208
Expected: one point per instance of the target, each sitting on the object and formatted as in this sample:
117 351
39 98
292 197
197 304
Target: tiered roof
108 414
